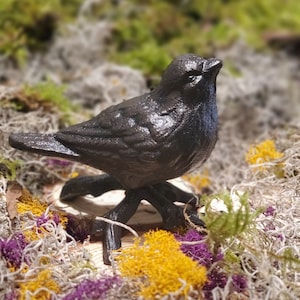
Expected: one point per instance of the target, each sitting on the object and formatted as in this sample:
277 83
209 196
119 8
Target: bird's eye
193 78
193 75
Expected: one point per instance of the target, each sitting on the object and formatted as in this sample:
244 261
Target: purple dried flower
58 162
92 289
56 219
191 236
269 226
280 236
41 220
199 252
44 219
270 211
216 278
11 295
12 249
239 283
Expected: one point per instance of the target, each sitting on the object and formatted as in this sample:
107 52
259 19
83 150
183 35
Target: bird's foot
121 213
162 196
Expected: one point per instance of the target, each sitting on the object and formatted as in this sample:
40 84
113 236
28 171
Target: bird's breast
194 141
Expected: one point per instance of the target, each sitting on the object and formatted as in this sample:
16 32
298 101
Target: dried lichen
40 261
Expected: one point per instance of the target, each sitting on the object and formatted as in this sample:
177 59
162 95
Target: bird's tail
44 144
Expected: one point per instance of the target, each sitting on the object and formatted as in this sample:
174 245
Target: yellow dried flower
44 260
39 287
160 260
74 174
28 203
34 233
199 181
262 153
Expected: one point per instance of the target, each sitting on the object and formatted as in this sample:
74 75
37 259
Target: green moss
51 96
8 167
29 25
48 91
149 57
228 224
47 96
163 29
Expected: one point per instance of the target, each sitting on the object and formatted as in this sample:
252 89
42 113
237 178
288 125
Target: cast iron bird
140 143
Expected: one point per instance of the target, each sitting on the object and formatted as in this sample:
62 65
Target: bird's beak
212 64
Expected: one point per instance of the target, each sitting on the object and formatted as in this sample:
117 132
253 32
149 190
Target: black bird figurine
140 143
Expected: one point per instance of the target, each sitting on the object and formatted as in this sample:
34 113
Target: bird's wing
130 129
45 144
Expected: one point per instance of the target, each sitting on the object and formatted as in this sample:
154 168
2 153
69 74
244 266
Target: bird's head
190 73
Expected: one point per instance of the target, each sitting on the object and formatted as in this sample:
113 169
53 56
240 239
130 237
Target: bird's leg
171 214
162 196
84 185
121 213
176 194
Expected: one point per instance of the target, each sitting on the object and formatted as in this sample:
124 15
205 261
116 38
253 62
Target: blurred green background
147 34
